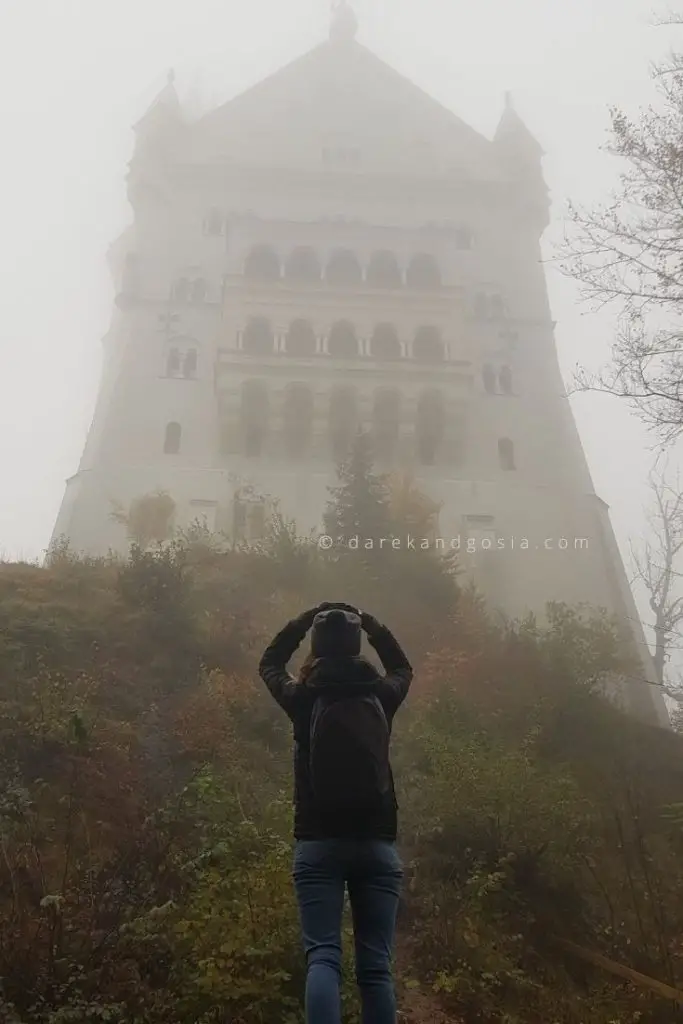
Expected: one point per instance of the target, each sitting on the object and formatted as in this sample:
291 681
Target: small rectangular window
481 532
463 238
249 519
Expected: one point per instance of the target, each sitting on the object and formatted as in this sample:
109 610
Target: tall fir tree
359 504
379 570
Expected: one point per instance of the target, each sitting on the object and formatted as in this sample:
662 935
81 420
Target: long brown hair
307 667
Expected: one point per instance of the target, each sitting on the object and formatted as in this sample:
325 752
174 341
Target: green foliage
372 563
359 505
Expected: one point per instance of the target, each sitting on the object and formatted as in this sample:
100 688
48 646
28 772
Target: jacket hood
328 672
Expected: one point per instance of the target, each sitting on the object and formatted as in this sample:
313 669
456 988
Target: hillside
145 793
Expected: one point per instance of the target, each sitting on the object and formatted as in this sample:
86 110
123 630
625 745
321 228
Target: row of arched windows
341 342
343 421
342 269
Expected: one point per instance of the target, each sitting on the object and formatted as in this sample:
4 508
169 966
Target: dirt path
414 1005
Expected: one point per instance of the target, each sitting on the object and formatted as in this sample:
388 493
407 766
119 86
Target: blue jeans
373 871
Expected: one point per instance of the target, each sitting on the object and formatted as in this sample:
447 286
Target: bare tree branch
629 254
655 564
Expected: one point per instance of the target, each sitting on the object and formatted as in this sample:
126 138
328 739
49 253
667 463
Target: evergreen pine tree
394 581
359 505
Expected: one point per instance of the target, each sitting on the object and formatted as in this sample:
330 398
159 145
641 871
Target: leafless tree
629 253
658 564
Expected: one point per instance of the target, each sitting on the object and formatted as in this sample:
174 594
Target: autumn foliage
145 781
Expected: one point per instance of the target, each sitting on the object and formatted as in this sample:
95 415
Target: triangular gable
336 97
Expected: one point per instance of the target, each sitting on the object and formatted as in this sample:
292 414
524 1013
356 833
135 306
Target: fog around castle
75 78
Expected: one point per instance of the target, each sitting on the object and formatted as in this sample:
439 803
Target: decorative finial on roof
512 127
165 108
344 23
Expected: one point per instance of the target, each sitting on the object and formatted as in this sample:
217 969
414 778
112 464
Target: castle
334 249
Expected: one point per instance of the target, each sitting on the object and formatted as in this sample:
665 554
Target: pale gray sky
76 74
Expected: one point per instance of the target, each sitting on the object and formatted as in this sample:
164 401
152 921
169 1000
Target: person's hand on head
369 623
328 605
349 608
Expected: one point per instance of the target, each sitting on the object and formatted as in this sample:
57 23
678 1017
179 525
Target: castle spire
343 23
165 107
157 129
514 134
522 156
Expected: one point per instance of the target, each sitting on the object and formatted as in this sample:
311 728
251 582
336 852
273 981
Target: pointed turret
522 156
513 136
157 129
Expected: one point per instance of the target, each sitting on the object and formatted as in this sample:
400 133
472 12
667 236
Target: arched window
254 416
181 290
262 264
489 377
496 307
198 291
423 272
343 269
506 453
429 427
428 345
342 342
463 238
190 363
300 339
385 344
173 363
213 224
386 421
257 339
505 380
383 271
303 265
172 439
297 418
343 421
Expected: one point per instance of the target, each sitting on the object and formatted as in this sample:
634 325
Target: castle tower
331 249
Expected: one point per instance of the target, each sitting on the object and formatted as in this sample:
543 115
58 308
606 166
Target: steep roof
340 95
165 107
513 132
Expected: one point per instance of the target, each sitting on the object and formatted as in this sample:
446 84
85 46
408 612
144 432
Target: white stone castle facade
333 249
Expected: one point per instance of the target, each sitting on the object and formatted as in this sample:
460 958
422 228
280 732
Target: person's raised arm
273 665
399 671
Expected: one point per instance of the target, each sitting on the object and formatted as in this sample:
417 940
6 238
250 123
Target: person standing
345 809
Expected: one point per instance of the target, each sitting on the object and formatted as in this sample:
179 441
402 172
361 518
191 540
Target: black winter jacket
297 700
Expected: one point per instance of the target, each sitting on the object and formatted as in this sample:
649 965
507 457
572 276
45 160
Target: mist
204 747
76 77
